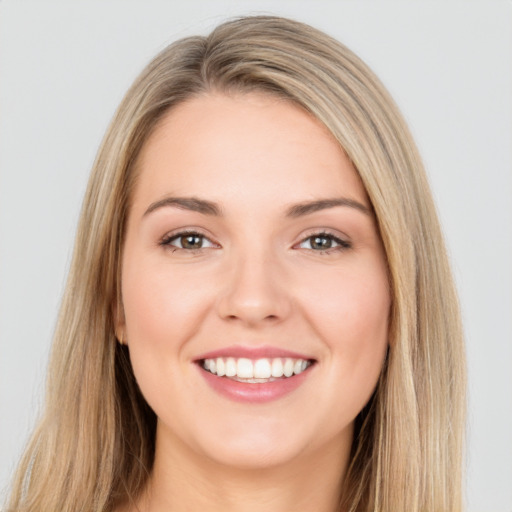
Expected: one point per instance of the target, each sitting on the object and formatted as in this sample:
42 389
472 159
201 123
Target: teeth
244 368
261 369
221 367
288 367
297 367
277 368
230 367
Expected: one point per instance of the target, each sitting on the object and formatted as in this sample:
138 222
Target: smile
255 371
254 375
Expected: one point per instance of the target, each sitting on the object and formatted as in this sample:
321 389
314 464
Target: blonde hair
94 445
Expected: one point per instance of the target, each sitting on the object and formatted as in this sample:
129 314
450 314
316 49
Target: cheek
162 310
350 304
161 305
350 312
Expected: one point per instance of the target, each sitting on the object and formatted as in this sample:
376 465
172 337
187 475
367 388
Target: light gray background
64 67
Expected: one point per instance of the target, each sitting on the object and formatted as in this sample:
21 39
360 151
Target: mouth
255 375
255 371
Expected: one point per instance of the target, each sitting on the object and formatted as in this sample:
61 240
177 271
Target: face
254 286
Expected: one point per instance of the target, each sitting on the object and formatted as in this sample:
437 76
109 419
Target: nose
254 292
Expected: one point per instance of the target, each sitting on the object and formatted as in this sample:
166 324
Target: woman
259 309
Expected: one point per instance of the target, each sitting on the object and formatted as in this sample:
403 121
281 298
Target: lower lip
259 392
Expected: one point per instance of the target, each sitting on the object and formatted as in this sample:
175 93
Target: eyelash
166 241
341 245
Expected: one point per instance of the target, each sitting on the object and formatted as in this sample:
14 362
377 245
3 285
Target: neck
184 480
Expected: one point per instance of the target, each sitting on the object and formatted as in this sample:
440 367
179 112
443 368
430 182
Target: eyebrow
186 203
301 209
297 210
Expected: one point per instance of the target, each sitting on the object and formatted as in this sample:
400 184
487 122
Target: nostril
242 317
253 302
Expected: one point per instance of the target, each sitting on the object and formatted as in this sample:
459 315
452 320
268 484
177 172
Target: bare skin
250 230
182 483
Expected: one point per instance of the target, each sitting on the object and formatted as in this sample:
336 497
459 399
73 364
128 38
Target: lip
260 392
253 393
260 352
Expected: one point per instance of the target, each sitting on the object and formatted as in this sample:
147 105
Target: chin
264 443
255 453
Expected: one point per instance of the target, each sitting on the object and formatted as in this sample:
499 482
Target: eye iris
191 241
321 242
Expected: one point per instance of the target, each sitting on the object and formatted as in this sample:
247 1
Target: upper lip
260 352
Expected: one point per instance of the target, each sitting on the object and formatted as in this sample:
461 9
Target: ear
119 321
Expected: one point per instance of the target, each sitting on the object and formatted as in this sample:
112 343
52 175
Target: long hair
94 445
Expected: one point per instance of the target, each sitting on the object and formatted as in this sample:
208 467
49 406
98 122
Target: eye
324 242
189 240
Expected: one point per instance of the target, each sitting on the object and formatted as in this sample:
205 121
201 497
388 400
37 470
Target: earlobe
120 338
119 323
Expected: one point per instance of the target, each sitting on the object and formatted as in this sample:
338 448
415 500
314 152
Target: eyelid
177 233
342 243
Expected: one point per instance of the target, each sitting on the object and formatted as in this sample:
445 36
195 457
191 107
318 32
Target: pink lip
256 392
253 392
252 353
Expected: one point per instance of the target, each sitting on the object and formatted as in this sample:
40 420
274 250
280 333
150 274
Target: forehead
240 147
